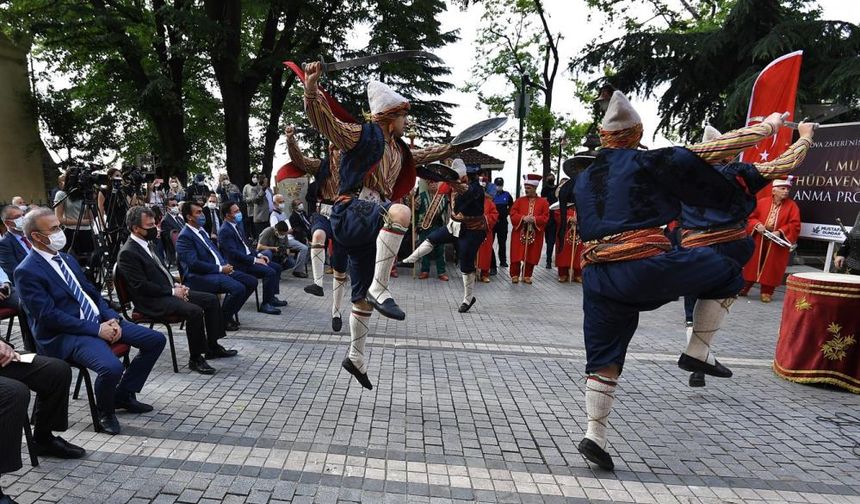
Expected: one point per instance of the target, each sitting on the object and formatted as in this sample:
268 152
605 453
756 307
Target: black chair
139 318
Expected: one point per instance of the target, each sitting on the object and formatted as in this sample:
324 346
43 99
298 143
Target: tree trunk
276 105
237 110
173 152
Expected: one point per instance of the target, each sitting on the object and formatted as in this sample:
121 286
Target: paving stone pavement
485 406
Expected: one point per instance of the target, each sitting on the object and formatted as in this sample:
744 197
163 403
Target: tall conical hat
382 97
620 114
711 133
460 167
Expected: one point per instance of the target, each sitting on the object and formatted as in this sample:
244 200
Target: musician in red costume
569 254
779 215
485 252
529 216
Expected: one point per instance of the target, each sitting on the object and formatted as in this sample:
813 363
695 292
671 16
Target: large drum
819 331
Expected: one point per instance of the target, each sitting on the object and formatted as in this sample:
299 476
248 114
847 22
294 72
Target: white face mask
19 223
211 205
174 210
23 208
301 207
58 241
174 184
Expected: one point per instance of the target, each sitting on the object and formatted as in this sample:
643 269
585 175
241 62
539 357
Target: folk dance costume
327 176
467 229
529 216
622 200
778 215
432 208
725 232
568 251
485 251
376 167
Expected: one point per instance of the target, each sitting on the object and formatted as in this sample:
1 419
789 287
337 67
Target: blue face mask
238 217
201 220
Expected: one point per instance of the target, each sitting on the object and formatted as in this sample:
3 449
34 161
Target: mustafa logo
827 231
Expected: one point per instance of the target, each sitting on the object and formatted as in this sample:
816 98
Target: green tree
708 54
515 39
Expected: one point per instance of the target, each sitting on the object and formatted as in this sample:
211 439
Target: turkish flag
774 90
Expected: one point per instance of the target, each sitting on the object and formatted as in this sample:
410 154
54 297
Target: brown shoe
485 279
563 279
515 280
766 298
528 280
577 278
423 275
443 277
329 270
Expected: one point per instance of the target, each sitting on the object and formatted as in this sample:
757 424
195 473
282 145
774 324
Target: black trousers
204 321
549 236
49 378
501 234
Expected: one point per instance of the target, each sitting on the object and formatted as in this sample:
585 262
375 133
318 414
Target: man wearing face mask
300 224
157 295
171 222
13 246
278 212
213 217
71 321
236 250
250 195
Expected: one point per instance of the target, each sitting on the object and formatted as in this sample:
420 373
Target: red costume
570 253
527 238
485 253
769 260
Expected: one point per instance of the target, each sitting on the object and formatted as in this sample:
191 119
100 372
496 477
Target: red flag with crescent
774 90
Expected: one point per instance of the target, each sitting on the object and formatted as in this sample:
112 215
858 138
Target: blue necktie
89 314
212 246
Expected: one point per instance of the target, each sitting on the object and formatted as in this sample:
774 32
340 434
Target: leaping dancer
622 200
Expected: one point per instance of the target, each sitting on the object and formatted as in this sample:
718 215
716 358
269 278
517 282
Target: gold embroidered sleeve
731 143
306 164
433 153
342 134
787 161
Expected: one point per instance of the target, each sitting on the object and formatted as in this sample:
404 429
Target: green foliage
707 58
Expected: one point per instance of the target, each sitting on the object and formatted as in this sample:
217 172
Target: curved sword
378 58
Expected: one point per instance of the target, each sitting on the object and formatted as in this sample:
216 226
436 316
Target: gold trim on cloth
802 304
836 347
836 288
824 293
842 380
527 235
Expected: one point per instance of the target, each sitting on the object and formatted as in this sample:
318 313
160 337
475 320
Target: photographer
75 220
175 189
156 196
198 191
274 243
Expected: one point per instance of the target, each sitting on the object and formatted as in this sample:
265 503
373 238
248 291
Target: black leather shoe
387 308
693 365
5 499
231 326
219 352
314 289
109 424
494 272
131 404
269 309
200 365
277 303
697 379
361 377
300 274
336 324
59 448
465 306
596 454
503 264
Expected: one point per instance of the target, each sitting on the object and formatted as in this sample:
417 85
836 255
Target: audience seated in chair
71 321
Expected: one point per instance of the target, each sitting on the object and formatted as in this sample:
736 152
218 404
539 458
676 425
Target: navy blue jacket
194 258
232 248
626 189
11 254
471 202
697 217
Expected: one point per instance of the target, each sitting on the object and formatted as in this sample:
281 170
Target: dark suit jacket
231 245
169 223
11 254
148 286
301 226
54 311
194 257
209 225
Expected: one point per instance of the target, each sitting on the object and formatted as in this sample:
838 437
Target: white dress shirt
50 258
201 233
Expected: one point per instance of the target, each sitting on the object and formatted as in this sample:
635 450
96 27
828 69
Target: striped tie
89 314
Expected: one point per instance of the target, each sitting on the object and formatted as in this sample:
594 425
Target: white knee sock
337 293
425 248
468 286
317 260
387 245
599 396
358 321
708 316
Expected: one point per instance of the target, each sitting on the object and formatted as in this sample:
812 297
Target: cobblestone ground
486 406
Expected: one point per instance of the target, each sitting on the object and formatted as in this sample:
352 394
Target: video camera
133 179
81 180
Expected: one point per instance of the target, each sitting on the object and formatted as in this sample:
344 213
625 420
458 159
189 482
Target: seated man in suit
70 320
156 295
213 217
49 378
172 221
236 250
205 269
13 246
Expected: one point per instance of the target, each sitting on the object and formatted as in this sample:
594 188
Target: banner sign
828 182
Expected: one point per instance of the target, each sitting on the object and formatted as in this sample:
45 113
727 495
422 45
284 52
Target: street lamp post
522 110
